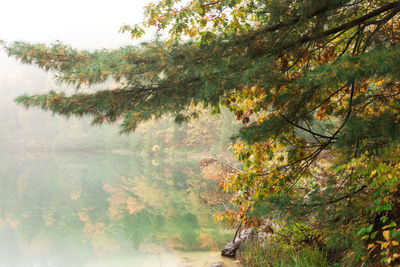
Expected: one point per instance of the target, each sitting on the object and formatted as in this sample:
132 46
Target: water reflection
102 209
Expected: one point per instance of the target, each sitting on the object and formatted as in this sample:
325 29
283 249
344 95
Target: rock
263 235
217 264
230 249
244 235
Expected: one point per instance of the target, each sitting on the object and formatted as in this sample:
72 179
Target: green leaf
384 207
378 200
393 233
373 235
384 219
362 231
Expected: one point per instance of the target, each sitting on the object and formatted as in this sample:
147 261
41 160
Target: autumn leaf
386 235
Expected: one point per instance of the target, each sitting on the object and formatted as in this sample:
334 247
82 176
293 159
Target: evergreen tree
315 84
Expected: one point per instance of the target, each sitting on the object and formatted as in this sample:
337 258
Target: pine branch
351 24
337 199
304 129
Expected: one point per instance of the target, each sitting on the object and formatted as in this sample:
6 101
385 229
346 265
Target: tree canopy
315 84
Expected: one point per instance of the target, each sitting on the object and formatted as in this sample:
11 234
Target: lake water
102 209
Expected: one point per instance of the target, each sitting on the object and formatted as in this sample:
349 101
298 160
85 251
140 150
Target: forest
300 98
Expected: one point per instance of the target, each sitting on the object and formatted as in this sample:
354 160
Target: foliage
252 254
314 83
207 134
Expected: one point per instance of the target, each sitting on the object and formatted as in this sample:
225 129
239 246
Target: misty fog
74 194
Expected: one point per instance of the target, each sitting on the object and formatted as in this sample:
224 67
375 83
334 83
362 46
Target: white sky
80 23
88 24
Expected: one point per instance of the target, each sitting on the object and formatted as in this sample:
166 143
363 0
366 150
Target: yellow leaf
386 235
389 225
218 217
385 245
395 243
373 173
379 82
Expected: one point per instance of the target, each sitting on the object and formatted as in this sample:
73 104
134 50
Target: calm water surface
103 209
